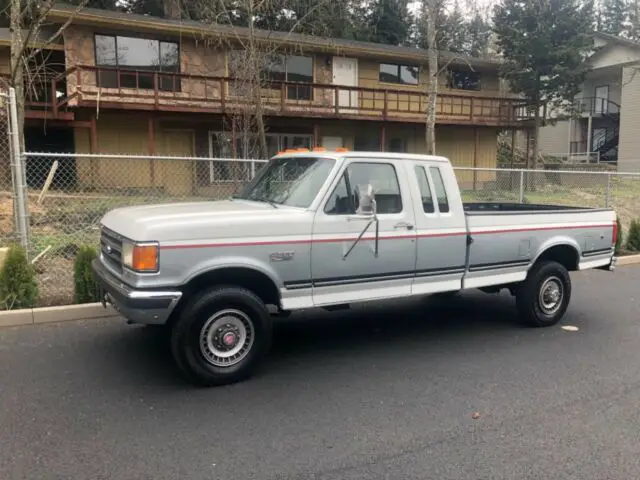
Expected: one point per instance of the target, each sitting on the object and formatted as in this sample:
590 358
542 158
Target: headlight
140 257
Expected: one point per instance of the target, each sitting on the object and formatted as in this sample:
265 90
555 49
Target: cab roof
344 153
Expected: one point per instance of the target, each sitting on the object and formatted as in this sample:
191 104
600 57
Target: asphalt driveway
379 392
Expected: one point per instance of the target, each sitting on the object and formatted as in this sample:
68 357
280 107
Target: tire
544 296
214 325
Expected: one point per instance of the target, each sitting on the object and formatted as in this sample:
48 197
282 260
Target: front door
345 72
346 270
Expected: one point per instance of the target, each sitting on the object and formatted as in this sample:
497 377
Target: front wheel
222 336
543 298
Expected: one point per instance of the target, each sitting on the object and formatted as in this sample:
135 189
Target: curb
94 311
628 260
67 313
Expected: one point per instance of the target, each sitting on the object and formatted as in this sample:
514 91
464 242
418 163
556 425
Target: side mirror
366 200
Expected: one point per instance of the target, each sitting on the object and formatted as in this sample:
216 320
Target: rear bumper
149 307
611 266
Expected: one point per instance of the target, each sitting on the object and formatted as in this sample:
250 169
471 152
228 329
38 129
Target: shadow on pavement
307 339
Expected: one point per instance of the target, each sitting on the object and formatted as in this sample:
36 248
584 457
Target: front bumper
148 307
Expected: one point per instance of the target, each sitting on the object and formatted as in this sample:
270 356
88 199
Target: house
605 127
136 85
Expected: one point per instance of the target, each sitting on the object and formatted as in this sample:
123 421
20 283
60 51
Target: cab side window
440 191
425 190
382 176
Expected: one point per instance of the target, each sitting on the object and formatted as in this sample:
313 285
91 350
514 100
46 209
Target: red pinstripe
399 237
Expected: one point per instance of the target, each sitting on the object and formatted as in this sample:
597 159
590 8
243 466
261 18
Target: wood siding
118 134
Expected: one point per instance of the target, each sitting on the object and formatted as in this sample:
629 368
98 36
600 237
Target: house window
402 74
276 69
135 60
247 147
397 145
464 80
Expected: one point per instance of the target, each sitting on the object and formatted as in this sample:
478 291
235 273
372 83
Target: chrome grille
111 249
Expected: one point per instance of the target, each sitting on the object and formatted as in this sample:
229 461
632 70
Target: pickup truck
328 229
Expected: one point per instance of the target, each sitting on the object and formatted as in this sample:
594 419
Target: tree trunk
430 12
171 9
16 66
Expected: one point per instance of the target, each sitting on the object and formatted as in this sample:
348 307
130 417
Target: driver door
343 276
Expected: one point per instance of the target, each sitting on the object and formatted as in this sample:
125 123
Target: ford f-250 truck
327 229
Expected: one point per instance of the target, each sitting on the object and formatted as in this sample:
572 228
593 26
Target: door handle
406 225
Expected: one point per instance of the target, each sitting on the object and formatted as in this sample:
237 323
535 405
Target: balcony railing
88 86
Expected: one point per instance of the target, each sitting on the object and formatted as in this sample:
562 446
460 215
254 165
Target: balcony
110 88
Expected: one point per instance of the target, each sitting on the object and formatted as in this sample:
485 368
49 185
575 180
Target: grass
67 222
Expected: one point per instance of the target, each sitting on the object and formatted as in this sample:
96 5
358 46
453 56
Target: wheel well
253 280
565 255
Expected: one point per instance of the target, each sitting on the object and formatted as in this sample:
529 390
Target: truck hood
196 220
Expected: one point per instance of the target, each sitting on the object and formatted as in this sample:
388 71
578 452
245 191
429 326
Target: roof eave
317 44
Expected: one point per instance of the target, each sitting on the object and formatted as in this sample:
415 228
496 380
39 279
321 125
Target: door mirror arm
366 211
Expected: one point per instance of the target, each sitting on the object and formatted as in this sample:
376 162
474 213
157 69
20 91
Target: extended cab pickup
326 229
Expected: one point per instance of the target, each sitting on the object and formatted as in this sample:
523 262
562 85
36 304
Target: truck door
440 229
345 269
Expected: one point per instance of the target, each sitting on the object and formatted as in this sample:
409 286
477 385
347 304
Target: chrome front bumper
148 307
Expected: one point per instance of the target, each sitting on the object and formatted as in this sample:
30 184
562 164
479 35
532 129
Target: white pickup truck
327 229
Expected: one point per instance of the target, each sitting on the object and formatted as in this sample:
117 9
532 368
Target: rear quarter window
440 190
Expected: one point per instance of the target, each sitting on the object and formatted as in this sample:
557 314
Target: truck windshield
293 181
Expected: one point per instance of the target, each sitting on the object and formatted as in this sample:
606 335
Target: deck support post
151 145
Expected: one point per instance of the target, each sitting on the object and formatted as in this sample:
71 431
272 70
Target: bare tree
256 33
430 11
28 57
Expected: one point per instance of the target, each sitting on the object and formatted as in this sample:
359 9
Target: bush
619 239
633 236
86 287
18 287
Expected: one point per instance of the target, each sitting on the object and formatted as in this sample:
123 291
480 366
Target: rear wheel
543 297
221 336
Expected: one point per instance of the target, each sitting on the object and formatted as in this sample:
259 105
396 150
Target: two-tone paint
301 251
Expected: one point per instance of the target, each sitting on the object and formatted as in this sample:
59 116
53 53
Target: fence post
607 199
22 225
521 186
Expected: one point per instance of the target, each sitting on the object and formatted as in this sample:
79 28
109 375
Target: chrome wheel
226 338
551 295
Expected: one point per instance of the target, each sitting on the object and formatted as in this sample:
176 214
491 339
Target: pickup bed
327 229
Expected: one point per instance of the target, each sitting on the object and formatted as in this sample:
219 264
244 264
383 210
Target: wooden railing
169 91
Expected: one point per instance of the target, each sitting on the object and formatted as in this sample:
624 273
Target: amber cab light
342 149
145 258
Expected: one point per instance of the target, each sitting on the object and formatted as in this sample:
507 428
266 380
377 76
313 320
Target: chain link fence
7 213
69 193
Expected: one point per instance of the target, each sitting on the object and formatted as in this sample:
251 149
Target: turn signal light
145 258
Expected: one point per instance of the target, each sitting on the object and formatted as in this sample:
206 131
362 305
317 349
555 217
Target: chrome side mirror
366 200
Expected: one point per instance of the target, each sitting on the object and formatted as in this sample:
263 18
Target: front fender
218 263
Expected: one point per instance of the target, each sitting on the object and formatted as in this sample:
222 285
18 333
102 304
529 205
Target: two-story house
605 124
137 85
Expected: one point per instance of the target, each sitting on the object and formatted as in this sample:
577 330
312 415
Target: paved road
376 393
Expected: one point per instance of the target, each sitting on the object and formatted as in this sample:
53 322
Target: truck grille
111 248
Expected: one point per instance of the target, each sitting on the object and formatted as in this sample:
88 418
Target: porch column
316 139
476 132
93 148
383 137
151 145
